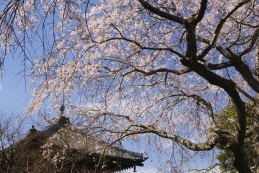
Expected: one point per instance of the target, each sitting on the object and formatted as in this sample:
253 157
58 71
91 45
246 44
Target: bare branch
209 144
219 66
251 45
244 70
154 10
151 72
144 47
203 7
246 94
219 27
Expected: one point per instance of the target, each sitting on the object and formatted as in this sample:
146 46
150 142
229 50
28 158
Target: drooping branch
206 170
208 145
200 100
228 86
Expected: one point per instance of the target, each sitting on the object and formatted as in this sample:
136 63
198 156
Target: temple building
62 148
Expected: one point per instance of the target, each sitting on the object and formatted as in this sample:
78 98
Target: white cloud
0 87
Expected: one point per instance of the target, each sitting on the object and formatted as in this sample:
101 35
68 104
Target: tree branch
220 66
209 144
161 13
228 86
144 47
219 27
203 7
151 72
199 100
246 94
218 47
244 70
251 45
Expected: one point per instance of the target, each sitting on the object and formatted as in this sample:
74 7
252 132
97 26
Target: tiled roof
117 158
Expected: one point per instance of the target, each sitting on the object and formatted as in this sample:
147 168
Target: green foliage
225 158
227 119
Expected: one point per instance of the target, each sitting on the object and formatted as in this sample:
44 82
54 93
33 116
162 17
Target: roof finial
134 169
33 130
62 108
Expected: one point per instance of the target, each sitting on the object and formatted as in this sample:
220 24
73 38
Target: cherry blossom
143 70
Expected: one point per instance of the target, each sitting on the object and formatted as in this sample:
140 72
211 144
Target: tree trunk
257 109
240 162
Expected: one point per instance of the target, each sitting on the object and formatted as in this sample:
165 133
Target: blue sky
13 89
